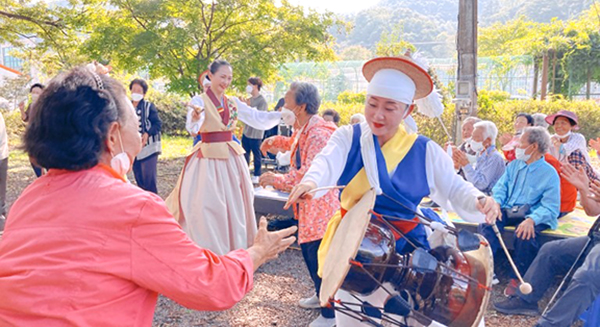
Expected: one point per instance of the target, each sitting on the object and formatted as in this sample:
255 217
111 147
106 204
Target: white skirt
217 203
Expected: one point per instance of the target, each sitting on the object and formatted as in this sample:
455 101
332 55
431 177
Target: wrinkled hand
145 137
267 146
300 193
526 229
267 245
505 138
577 177
460 158
595 190
267 179
595 144
490 209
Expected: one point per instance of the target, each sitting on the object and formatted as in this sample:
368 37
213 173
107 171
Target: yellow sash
393 151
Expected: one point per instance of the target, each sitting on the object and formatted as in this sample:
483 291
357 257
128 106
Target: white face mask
137 97
249 89
121 162
520 154
288 116
476 146
565 136
34 97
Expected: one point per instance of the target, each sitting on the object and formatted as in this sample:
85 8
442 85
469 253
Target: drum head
344 246
485 259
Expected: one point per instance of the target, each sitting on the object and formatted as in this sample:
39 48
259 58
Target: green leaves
177 39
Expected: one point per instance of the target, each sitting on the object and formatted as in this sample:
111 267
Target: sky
336 6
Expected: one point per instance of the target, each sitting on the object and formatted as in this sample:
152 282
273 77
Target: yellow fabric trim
394 152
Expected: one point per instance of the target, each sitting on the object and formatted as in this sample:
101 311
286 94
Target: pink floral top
313 215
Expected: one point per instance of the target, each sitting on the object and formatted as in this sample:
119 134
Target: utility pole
466 75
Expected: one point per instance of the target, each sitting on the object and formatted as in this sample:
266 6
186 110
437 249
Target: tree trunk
544 85
536 73
588 88
553 80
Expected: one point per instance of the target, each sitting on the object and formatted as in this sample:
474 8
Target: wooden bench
575 224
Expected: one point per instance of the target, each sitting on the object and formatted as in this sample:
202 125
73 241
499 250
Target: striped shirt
487 170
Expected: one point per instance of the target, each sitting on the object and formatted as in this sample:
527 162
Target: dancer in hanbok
214 197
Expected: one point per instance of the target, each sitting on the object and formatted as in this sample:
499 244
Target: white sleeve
194 127
447 188
255 118
577 142
328 165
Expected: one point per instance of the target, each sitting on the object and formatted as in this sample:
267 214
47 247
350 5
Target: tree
177 39
392 44
48 34
356 52
14 89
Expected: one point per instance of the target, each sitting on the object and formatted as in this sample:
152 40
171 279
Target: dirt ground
278 285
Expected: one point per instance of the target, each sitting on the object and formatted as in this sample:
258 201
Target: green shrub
171 110
348 97
15 127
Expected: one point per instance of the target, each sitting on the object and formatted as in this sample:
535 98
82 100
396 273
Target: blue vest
407 183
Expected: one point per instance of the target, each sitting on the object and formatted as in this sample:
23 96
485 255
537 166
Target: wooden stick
326 188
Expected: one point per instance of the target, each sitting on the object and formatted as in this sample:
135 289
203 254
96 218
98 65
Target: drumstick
524 287
326 188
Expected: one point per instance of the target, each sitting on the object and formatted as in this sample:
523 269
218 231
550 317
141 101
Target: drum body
440 294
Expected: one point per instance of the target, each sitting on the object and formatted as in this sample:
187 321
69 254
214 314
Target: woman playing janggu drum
402 167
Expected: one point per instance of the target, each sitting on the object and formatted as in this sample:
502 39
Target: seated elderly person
357 119
568 146
568 192
83 247
331 116
509 141
555 259
529 196
487 165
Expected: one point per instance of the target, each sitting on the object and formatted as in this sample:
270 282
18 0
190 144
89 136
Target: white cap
392 84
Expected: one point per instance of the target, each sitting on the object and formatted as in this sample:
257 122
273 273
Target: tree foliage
573 47
177 39
48 34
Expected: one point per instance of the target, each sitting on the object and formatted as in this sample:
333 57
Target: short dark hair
306 93
280 104
139 82
331 112
256 81
40 85
70 121
215 65
528 117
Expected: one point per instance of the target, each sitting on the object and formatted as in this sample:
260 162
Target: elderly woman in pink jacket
83 247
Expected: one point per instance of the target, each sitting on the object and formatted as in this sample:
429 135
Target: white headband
392 84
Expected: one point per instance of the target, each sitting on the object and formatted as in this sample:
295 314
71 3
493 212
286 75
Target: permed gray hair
306 93
470 120
489 130
538 135
539 119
